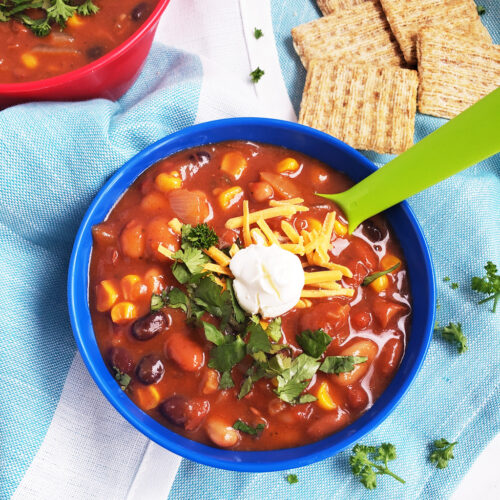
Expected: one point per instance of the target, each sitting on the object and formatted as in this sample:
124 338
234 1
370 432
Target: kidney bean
390 356
121 359
221 433
149 326
150 369
185 352
363 347
357 398
335 420
185 413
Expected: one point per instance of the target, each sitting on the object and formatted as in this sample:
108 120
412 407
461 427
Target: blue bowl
326 149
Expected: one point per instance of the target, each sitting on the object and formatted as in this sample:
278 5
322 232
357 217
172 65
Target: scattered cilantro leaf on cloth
257 33
442 453
239 425
314 344
454 286
481 10
341 364
201 236
292 478
122 378
256 74
446 278
453 333
363 463
488 285
372 277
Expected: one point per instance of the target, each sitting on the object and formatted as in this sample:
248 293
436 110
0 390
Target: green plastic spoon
467 139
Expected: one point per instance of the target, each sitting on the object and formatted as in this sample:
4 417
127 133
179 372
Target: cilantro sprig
257 33
488 285
123 379
48 13
239 425
372 277
442 453
453 333
256 74
363 463
200 236
292 478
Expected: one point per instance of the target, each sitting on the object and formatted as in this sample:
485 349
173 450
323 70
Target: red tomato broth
348 320
26 57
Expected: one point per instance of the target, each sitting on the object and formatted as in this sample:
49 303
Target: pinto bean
261 191
363 347
221 433
132 240
185 352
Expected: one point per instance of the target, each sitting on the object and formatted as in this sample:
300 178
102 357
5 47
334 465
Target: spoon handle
467 139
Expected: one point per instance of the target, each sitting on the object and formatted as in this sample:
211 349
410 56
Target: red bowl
108 77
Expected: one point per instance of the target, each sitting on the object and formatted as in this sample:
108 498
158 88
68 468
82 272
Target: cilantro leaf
341 364
442 453
177 299
453 333
87 8
226 381
258 341
488 285
158 301
201 236
293 380
239 425
257 33
224 356
122 378
314 343
256 74
60 11
367 469
213 334
193 258
372 277
239 313
292 478
273 329
481 10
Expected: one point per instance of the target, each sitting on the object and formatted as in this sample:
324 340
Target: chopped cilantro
45 13
122 378
257 33
226 381
213 334
314 343
239 425
372 277
256 74
200 236
481 10
158 301
273 329
292 478
442 453
454 286
363 463
193 258
341 364
446 278
293 380
239 313
258 341
453 333
489 285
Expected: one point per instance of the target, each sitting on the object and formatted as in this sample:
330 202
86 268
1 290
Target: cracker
329 6
454 72
369 107
360 33
407 17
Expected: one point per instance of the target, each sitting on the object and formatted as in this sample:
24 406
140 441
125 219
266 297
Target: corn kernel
264 324
132 287
74 21
167 182
389 261
233 164
174 173
380 284
123 312
339 228
147 397
29 60
325 400
288 165
230 196
314 224
107 294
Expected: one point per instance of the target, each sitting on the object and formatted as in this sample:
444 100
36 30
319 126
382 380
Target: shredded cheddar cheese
267 232
220 257
234 250
290 231
319 276
258 236
266 213
165 251
245 222
216 268
346 292
280 203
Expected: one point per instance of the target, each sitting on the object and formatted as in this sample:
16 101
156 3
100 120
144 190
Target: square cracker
407 17
369 107
454 72
360 33
329 6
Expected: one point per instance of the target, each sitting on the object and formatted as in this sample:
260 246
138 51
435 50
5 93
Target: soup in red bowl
95 49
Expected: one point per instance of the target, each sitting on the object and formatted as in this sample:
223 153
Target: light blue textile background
457 397
53 160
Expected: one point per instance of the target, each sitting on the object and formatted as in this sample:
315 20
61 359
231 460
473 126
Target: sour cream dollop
267 280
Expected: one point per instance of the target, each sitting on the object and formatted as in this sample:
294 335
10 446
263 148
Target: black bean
200 157
120 358
147 327
95 52
150 369
371 231
140 11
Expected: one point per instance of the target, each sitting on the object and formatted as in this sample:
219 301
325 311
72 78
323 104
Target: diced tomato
360 251
330 316
361 320
228 238
385 310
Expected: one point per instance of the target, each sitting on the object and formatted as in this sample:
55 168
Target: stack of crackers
360 85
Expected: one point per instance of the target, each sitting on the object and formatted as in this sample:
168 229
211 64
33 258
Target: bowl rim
259 461
82 71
